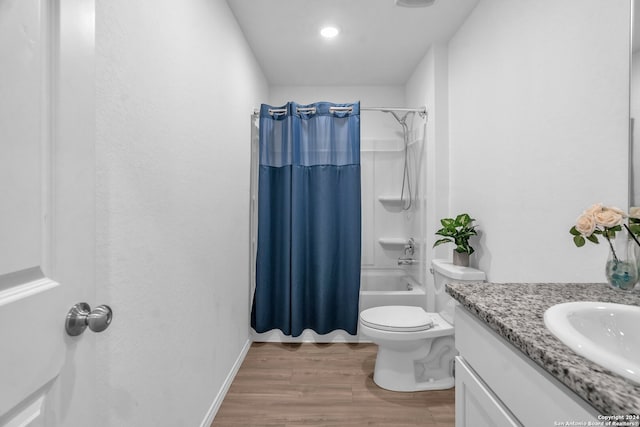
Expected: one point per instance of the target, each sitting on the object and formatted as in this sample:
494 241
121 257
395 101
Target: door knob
80 316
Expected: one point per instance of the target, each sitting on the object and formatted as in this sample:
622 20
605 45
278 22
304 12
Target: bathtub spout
407 261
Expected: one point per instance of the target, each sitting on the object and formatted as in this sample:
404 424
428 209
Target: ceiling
379 43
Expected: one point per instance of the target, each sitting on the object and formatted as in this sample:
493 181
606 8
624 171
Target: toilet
416 348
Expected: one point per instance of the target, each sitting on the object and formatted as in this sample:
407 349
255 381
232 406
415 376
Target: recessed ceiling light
329 32
414 3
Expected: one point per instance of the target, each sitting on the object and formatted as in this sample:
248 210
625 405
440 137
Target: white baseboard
213 410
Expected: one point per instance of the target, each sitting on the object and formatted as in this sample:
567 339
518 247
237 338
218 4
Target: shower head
414 3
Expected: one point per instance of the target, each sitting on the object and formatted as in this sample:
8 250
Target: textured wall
539 100
635 114
428 86
176 86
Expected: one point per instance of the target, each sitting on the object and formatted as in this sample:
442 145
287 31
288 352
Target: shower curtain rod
422 111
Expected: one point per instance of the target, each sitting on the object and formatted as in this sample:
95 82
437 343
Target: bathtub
377 287
389 287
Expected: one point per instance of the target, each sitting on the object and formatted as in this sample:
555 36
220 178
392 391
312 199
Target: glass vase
622 268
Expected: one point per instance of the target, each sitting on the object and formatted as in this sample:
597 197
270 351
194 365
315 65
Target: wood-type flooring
324 385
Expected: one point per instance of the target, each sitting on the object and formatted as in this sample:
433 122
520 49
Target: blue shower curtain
308 259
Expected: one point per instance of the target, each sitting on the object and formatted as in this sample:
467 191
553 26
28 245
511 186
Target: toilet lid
399 318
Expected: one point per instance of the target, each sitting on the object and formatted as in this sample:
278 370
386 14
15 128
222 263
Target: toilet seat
398 318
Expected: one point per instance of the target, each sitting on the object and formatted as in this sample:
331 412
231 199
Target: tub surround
515 311
389 287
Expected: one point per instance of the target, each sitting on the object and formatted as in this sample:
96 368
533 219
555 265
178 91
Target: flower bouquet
621 268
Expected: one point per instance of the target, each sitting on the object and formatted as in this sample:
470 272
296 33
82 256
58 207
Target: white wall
538 130
176 86
428 85
635 114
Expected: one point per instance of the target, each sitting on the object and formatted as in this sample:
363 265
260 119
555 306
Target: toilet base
411 369
441 384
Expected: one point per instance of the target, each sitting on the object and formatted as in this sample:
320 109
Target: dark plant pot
461 259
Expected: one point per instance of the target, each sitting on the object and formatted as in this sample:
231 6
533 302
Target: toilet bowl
416 348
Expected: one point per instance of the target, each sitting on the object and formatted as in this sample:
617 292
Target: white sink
605 333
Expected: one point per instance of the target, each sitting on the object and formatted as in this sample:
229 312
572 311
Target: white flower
616 210
634 212
586 224
594 209
608 218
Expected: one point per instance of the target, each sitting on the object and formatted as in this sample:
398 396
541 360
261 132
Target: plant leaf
447 222
579 241
593 239
464 219
635 228
574 231
441 241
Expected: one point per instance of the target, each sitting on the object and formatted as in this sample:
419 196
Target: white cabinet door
476 406
47 236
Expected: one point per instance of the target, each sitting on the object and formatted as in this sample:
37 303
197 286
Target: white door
47 122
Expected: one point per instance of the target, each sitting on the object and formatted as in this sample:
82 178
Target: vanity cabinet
497 385
476 405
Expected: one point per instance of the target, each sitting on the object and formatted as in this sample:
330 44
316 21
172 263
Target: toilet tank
445 272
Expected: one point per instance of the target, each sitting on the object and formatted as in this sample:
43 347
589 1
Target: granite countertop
515 311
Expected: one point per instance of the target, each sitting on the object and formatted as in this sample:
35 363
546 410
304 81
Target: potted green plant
458 231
